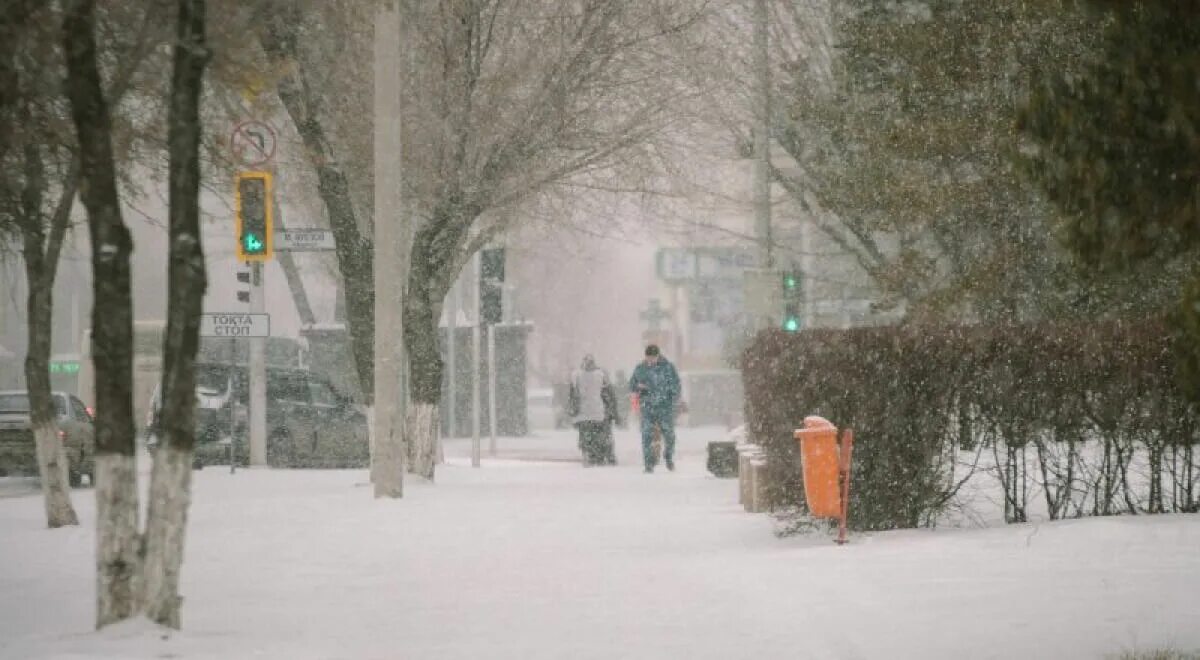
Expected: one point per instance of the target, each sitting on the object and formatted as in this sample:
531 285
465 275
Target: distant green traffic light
789 281
254 222
792 324
253 244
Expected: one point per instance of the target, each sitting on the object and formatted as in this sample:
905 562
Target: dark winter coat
662 387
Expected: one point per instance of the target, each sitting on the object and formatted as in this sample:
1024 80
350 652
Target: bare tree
170 485
46 164
118 542
139 574
510 100
282 27
23 206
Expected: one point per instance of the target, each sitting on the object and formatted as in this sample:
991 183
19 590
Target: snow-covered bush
1088 416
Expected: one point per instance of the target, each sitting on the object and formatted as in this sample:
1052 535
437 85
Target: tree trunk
421 428
117 540
53 465
354 251
422 421
170 483
422 311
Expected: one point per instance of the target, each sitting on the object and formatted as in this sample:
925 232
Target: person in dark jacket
656 384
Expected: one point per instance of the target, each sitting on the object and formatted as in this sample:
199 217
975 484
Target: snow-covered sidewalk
535 557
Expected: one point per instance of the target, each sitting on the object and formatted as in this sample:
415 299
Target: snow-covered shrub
1089 416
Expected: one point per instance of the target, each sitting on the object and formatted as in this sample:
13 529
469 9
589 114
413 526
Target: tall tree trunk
422 311
170 483
117 539
53 464
354 251
437 256
14 14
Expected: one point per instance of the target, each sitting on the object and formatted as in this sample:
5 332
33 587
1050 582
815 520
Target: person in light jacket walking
594 408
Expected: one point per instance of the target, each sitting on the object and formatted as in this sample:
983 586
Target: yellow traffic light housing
254 217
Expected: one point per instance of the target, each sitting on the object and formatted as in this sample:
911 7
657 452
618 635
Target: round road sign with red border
252 143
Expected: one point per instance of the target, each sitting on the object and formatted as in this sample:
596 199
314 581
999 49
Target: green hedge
1085 400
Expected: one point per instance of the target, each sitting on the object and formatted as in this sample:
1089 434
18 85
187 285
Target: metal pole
491 390
258 373
451 361
391 236
232 404
475 410
762 137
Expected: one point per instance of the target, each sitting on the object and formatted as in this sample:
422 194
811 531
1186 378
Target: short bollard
722 458
758 484
826 468
745 453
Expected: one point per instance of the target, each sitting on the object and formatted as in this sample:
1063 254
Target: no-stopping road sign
252 143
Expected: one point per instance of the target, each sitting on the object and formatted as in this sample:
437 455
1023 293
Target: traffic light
793 294
491 285
254 216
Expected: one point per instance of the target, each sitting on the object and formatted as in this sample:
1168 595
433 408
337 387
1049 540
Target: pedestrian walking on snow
593 406
656 384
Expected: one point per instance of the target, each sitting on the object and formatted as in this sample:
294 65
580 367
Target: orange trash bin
819 458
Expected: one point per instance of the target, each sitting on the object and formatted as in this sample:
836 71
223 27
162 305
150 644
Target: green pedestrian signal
254 216
253 244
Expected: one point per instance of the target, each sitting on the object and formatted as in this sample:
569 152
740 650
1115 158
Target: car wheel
279 449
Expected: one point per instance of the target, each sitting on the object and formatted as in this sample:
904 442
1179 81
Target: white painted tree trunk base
117 539
387 464
53 469
421 431
170 497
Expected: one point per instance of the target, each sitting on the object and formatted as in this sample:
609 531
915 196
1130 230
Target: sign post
252 144
258 372
232 326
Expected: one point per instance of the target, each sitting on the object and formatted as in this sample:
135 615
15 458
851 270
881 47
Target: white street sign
304 240
235 325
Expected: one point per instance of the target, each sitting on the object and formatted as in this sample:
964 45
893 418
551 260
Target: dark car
18 454
309 423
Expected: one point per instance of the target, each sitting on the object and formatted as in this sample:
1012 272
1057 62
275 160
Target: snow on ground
533 556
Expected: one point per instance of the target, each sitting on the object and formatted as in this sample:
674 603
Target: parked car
309 423
18 454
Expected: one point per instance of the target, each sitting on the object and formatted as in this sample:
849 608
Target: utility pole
258 372
475 409
491 359
452 358
390 243
762 138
